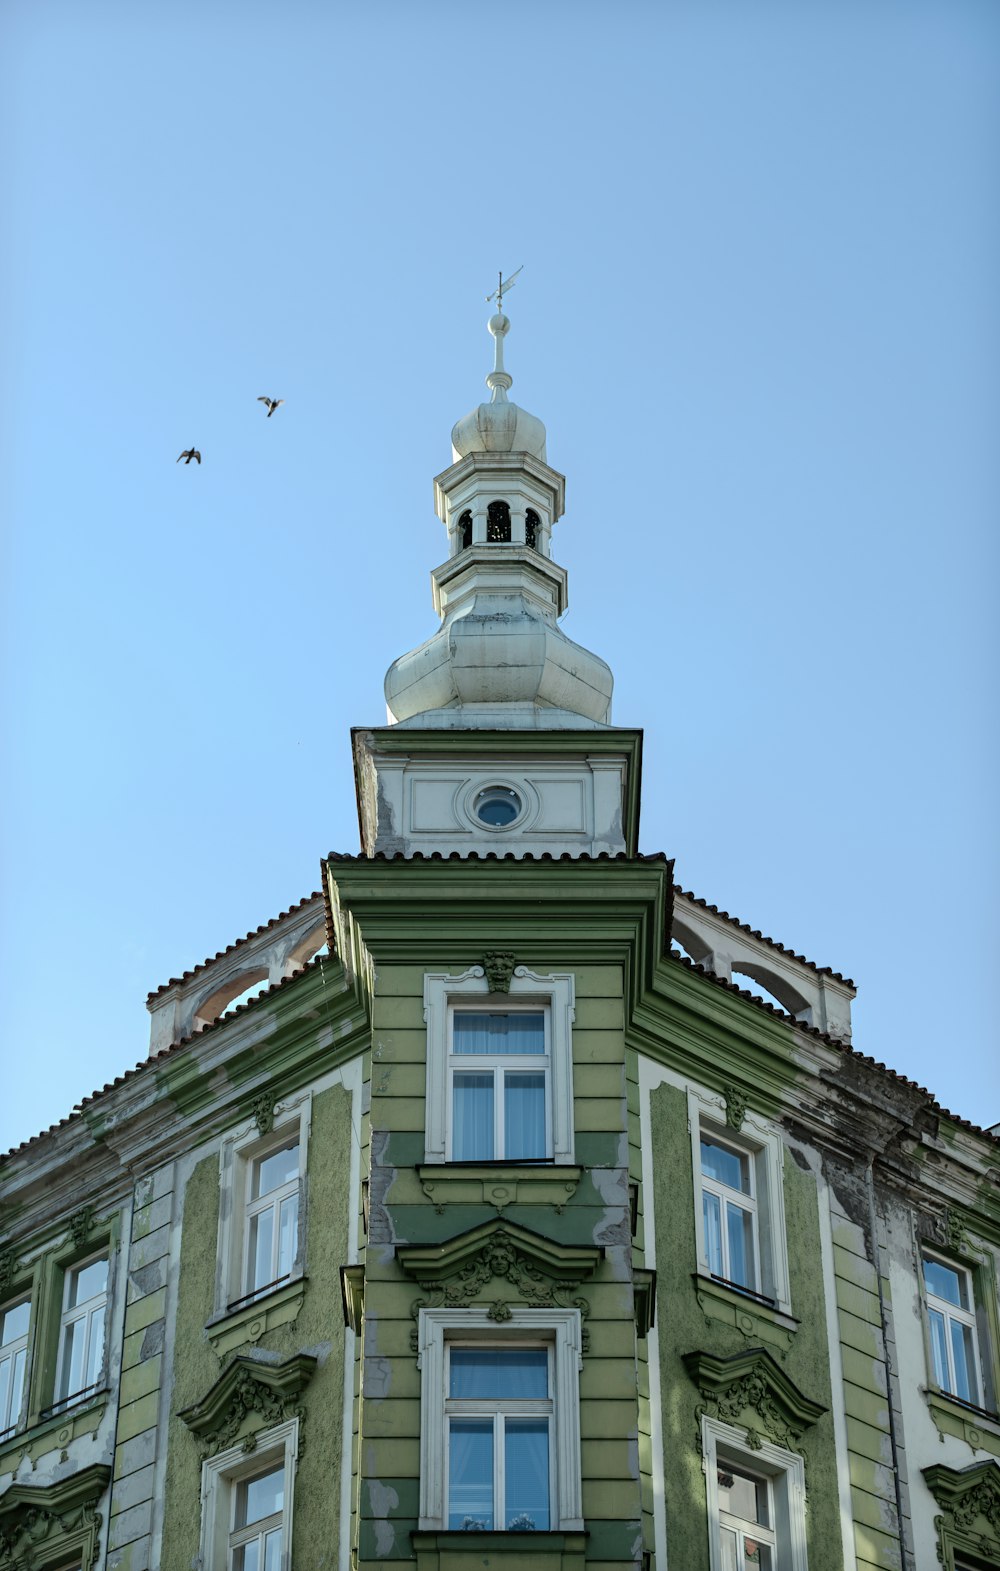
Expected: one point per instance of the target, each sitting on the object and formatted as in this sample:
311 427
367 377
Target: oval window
497 806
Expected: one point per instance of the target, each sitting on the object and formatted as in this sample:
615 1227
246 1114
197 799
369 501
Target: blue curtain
521 1032
472 1118
524 1116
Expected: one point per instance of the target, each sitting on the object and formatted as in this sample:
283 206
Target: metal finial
502 287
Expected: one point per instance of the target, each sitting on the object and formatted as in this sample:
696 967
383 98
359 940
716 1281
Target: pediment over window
969 1499
485 1264
248 1396
751 1390
60 1518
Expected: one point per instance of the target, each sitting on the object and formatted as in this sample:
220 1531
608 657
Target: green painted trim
457 1551
753 1382
54 1434
43 1526
498 1185
969 1498
978 1430
237 1327
248 1387
496 1245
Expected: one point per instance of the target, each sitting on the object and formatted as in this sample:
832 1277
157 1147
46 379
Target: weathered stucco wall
683 1327
318 1330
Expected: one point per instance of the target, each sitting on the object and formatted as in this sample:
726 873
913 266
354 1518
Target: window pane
14 1323
939 1349
742 1267
7 1413
72 1365
742 1495
945 1283
17 1386
272 1551
526 1456
248 1557
95 1346
964 1361
524 1116
493 1033
730 1549
288 1234
280 1167
757 1557
87 1282
489 1373
727 1167
472 1118
470 1464
260 1497
712 1211
261 1239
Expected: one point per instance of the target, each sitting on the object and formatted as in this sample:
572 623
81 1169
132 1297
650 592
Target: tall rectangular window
257 1534
729 1213
746 1519
81 1331
498 1067
14 1320
272 1219
951 1314
498 1413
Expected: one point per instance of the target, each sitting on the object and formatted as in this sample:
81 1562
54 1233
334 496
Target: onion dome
499 426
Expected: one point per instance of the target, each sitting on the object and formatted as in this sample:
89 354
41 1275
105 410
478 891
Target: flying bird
272 404
188 454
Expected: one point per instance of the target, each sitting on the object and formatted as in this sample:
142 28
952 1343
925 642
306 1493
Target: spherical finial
499 325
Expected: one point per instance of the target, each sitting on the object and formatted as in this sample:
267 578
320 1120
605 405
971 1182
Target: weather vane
504 285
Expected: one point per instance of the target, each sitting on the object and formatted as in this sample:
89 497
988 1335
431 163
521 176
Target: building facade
481 1210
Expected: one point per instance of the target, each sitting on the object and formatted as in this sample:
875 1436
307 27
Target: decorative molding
10 1265
754 1384
245 1389
81 1225
279 1307
543 1274
955 1235
979 1428
969 1498
499 1187
262 1111
644 1299
498 965
40 1526
736 1107
352 1292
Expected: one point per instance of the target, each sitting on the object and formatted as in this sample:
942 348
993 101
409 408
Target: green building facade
474 1214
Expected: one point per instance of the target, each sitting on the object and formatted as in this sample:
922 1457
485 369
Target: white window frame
69 1317
707 1114
964 1317
498 1410
743 1200
555 993
497 1064
219 1477
786 1474
10 1422
562 1329
238 1153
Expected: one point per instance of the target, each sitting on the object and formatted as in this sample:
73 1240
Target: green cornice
436 1263
751 1389
400 742
45 1524
247 1387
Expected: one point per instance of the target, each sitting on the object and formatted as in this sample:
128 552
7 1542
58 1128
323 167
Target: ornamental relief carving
40 1529
751 1393
498 964
501 1260
249 1398
9 1267
246 1390
736 1107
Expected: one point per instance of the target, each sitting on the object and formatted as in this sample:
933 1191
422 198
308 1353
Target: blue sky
758 314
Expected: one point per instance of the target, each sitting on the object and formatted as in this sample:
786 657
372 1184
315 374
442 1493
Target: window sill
456 1551
237 1327
499 1184
55 1433
979 1429
752 1319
